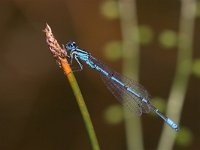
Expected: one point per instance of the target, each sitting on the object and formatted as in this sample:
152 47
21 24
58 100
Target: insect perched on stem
129 93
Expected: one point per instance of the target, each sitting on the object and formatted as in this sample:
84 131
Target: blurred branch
59 54
183 70
128 17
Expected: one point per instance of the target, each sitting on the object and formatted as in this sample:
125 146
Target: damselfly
129 93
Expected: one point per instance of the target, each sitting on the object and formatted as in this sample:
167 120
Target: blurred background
37 107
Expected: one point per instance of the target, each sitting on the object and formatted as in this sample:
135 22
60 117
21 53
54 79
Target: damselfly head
70 46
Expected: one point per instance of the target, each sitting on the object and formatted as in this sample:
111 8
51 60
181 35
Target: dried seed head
55 48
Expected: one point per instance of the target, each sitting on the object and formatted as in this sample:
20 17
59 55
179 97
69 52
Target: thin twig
59 54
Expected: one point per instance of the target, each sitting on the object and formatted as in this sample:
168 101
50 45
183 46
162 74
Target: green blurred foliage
196 68
113 114
159 103
110 9
198 9
113 50
184 137
168 39
145 35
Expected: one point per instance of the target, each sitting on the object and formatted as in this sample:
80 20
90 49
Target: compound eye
74 44
71 46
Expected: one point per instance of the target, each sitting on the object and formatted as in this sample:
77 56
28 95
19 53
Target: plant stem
128 17
59 54
183 70
81 103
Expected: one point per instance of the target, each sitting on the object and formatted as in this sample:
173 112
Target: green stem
59 54
82 106
128 17
183 70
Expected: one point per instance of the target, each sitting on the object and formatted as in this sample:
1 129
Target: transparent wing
123 96
129 100
137 88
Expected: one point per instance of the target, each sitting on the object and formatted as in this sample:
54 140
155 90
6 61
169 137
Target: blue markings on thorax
83 56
